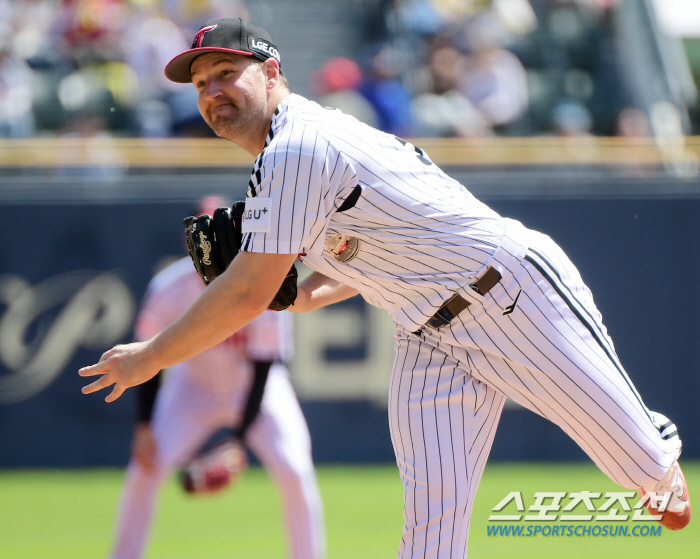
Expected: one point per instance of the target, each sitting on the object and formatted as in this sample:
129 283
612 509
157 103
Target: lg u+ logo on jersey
256 216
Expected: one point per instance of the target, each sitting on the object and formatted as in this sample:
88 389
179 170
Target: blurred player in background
211 391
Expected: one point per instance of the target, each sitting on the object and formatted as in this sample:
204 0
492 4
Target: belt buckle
442 317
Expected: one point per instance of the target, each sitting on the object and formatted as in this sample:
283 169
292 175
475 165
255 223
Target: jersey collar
279 118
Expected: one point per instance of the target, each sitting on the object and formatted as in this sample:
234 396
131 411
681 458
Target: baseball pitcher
485 309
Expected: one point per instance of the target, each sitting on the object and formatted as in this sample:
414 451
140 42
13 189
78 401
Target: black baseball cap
232 35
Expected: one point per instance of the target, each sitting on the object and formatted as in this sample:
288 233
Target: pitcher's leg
442 424
552 354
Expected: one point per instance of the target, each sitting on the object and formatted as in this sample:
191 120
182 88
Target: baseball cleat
676 515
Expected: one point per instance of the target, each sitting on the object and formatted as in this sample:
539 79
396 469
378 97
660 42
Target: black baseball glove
214 241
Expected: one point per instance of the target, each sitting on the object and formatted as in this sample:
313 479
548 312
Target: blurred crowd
90 67
432 68
495 67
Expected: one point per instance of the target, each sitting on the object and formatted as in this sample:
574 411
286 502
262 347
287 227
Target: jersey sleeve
292 192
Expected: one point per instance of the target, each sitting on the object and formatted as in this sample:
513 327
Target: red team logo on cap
200 35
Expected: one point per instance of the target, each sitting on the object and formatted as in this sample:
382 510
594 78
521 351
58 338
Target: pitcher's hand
122 366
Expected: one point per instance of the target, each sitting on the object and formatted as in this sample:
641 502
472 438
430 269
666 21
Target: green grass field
68 515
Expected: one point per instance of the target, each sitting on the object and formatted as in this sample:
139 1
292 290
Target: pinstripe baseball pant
551 354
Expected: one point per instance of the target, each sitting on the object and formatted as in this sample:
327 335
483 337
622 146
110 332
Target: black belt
456 304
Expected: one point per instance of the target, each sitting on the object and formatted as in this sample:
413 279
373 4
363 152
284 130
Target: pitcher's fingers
93 370
116 392
107 354
99 384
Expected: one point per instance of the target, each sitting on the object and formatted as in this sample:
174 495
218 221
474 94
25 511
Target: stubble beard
236 124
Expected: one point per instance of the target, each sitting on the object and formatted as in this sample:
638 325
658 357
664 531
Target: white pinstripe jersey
225 368
421 234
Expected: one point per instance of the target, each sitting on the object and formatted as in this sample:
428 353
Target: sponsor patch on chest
256 216
342 247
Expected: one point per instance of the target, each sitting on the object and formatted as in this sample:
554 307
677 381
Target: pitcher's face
232 93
